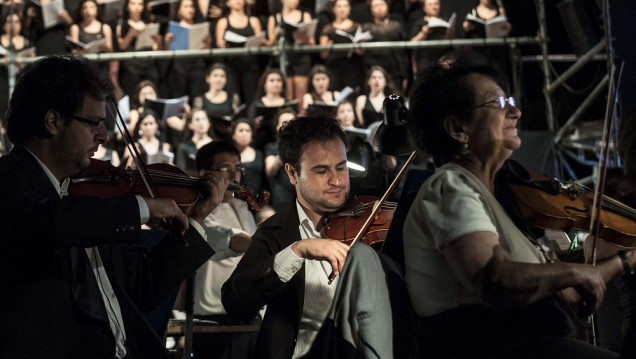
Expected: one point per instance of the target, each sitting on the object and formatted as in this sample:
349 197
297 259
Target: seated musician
480 287
62 257
289 261
229 228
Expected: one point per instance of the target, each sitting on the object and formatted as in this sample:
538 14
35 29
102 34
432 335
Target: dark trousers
540 330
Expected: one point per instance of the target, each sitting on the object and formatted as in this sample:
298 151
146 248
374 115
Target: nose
102 135
335 180
513 111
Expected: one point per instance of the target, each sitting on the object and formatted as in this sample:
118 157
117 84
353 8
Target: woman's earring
141 132
465 143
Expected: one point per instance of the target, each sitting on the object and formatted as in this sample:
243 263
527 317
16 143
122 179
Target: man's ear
53 122
456 129
291 173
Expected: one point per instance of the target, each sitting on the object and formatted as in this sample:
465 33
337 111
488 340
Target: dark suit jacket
50 304
254 284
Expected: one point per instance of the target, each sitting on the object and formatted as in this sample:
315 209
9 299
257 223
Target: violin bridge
571 189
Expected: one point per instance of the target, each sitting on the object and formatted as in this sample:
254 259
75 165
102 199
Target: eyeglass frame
97 125
502 101
228 170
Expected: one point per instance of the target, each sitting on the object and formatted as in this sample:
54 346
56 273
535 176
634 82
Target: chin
84 164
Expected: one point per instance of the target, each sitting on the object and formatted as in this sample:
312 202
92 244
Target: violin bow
134 153
378 206
599 187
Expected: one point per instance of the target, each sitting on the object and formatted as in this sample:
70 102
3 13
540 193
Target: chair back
393 246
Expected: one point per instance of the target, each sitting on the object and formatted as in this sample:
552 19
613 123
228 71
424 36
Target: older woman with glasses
480 286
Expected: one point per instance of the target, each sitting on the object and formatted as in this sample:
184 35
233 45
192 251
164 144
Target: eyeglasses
229 170
97 125
500 101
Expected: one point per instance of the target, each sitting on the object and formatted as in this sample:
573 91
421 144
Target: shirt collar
306 223
61 188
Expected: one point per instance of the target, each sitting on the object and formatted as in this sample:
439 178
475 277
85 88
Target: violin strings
615 205
385 205
170 178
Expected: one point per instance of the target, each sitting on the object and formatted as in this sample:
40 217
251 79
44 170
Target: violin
104 180
344 224
374 212
552 204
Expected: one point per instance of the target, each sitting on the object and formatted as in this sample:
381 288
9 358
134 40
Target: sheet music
188 37
92 47
252 41
344 94
256 40
307 29
144 39
167 107
231 36
50 12
358 36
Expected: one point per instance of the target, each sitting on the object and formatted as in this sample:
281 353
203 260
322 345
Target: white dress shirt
318 293
226 220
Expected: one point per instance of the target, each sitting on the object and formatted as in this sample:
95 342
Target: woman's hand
64 16
215 12
207 41
168 38
136 28
468 26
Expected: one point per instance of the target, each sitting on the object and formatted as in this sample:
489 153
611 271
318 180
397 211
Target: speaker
581 20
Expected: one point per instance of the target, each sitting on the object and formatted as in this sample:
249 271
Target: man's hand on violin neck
334 252
164 208
217 186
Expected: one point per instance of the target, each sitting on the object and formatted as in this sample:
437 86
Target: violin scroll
256 202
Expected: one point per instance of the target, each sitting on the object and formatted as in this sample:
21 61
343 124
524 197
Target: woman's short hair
441 91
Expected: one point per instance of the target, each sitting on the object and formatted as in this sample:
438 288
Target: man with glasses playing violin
74 272
229 229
